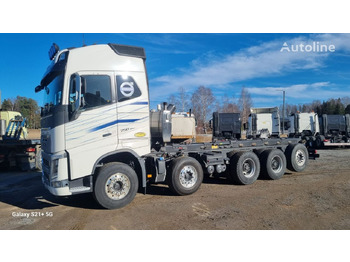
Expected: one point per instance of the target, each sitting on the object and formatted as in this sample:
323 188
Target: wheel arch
126 156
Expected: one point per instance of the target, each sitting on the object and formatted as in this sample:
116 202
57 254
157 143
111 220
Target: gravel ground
317 198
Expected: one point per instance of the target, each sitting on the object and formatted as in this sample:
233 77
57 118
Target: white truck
321 131
304 124
98 133
264 122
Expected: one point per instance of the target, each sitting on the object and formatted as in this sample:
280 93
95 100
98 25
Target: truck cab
264 122
96 109
6 117
304 124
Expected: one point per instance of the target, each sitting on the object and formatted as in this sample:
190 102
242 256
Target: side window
96 90
127 88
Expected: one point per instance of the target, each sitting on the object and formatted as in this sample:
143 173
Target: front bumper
57 191
55 173
55 176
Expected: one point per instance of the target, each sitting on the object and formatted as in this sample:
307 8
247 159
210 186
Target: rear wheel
116 185
244 168
297 157
186 176
273 164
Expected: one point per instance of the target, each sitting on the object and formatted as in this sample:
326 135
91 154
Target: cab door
92 129
133 112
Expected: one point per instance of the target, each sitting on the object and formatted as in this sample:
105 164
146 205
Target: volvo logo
127 89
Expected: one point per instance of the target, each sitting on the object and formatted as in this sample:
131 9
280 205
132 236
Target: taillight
30 149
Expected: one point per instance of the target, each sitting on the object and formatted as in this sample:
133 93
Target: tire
244 168
273 164
116 185
297 157
186 176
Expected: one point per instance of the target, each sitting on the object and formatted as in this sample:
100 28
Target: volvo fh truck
100 136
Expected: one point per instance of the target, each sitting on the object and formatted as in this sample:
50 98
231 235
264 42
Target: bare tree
229 105
345 101
202 103
183 99
245 103
316 106
172 99
289 109
180 100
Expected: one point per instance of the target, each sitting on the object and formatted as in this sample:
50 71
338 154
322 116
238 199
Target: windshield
53 93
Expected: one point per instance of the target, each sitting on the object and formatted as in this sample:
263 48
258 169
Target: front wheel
116 185
186 176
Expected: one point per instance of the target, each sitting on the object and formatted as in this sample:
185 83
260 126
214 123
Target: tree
202 104
172 100
8 104
28 107
316 106
183 99
180 100
347 109
227 105
245 103
345 101
289 109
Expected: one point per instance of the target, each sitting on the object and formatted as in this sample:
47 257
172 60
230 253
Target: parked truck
16 151
313 130
226 125
321 131
264 122
99 135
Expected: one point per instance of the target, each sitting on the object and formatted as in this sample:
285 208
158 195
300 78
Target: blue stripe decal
140 103
113 123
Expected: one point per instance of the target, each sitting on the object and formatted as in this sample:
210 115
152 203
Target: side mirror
38 88
245 126
74 96
77 92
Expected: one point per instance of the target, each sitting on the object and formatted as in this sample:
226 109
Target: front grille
46 163
46 169
46 174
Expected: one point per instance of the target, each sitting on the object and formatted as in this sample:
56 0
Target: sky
222 62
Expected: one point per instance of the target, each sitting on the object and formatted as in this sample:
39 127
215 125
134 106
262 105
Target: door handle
107 134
